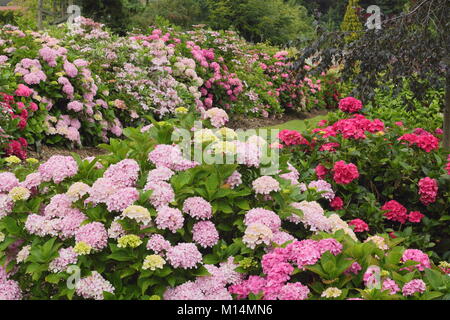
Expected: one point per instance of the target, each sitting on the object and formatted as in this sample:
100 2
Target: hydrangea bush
147 222
88 84
386 177
69 100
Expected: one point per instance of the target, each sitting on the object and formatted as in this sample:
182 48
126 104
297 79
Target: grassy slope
299 125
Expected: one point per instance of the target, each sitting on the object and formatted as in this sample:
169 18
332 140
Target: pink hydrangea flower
93 286
159 174
10 290
303 253
266 185
67 256
313 216
417 256
197 208
293 175
184 255
6 205
170 157
205 234
8 181
218 117
23 91
158 244
122 199
414 286
93 234
423 139
75 106
282 237
331 245
169 218
162 194
124 173
266 217
391 286
322 187
58 168
293 291
70 69
355 268
234 180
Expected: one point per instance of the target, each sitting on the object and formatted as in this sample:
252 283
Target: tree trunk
446 141
39 13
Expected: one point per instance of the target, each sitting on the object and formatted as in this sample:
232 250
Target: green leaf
201 272
211 259
120 256
435 279
243 204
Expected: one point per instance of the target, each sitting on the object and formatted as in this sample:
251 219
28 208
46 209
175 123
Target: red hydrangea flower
23 91
395 211
375 126
33 107
447 167
422 138
17 148
428 189
415 217
345 173
321 171
350 104
292 138
360 225
322 123
356 127
329 147
337 203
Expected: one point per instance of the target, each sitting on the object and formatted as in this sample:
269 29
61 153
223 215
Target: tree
351 23
275 21
413 46
183 13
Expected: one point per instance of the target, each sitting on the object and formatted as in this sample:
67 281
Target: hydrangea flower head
205 234
266 217
197 208
138 213
350 105
414 286
344 173
153 262
93 286
129 240
417 256
265 185
169 218
184 255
